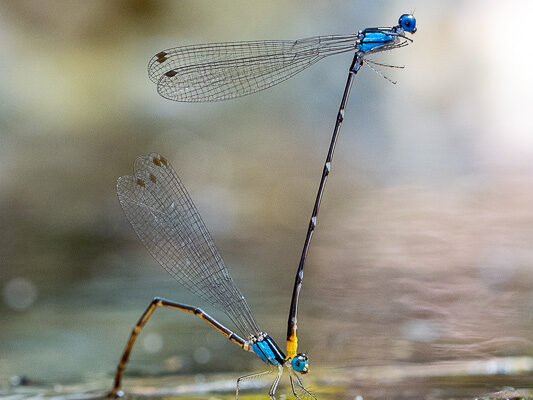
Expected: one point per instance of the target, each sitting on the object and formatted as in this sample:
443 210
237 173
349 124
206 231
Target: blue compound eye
408 23
300 363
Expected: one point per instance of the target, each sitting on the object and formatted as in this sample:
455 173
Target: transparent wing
221 71
165 219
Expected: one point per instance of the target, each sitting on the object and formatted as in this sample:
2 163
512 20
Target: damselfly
222 71
166 220
162 213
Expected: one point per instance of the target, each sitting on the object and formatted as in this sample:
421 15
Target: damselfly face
300 363
408 23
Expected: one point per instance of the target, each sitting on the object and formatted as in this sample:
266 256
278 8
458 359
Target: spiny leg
250 376
159 302
367 60
300 383
293 388
379 72
272 392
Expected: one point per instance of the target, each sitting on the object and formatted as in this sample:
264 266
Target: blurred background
423 248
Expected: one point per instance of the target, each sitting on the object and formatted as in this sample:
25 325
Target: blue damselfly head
408 23
300 363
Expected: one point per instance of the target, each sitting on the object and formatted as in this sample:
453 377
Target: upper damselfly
222 71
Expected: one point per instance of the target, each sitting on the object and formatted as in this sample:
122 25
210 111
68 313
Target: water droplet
202 355
153 342
419 330
19 293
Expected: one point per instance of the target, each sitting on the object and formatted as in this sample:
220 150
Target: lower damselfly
166 220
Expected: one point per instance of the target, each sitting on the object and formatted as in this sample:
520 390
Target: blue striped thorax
265 347
376 37
372 38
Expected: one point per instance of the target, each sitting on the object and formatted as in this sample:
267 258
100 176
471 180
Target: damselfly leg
306 393
273 388
249 377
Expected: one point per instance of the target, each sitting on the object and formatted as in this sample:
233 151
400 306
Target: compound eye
300 363
408 23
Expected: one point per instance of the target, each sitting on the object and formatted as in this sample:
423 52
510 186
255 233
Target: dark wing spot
161 57
152 178
140 182
170 73
156 162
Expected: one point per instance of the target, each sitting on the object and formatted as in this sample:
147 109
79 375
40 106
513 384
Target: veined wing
166 220
221 71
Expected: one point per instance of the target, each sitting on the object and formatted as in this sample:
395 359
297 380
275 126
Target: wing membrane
222 71
166 220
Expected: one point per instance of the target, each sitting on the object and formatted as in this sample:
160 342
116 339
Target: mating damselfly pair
163 215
